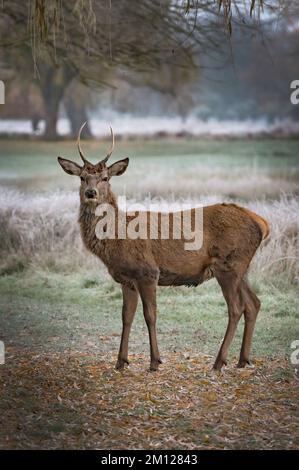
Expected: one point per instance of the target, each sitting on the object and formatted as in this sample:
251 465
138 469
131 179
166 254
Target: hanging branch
45 22
225 6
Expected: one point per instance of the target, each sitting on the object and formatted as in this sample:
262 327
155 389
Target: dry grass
247 182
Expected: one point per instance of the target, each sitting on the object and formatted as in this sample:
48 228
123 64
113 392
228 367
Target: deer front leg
148 296
130 300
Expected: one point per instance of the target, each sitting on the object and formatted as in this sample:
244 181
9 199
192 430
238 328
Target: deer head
94 178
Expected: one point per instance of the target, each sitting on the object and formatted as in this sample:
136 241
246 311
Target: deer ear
118 168
69 167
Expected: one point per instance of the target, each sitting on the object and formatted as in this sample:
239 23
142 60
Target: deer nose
90 193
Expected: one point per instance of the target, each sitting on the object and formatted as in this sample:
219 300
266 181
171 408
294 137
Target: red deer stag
231 236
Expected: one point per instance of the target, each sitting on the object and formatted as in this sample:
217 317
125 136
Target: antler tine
79 145
112 143
111 147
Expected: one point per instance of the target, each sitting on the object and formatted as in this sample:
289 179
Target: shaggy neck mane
88 221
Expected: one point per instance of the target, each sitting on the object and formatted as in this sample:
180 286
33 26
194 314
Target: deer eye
105 178
81 178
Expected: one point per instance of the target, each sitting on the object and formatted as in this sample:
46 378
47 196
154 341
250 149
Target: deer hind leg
229 283
252 306
130 300
147 291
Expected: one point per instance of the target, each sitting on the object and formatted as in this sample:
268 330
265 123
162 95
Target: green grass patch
33 164
54 312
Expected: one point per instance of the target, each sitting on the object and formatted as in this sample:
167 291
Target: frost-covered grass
40 231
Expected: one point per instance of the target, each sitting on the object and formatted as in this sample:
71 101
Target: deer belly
169 278
134 273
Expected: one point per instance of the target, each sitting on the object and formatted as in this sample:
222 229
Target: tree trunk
76 113
53 83
51 102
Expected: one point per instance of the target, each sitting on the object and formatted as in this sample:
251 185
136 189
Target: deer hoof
219 363
120 364
243 363
155 365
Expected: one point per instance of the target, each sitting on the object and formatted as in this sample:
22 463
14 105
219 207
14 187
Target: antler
86 162
102 162
111 148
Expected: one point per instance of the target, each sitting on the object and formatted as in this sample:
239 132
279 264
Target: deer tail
264 227
262 223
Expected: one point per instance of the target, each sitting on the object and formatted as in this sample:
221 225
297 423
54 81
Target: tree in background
255 80
88 41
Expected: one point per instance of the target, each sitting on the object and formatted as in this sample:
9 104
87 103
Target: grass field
61 313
